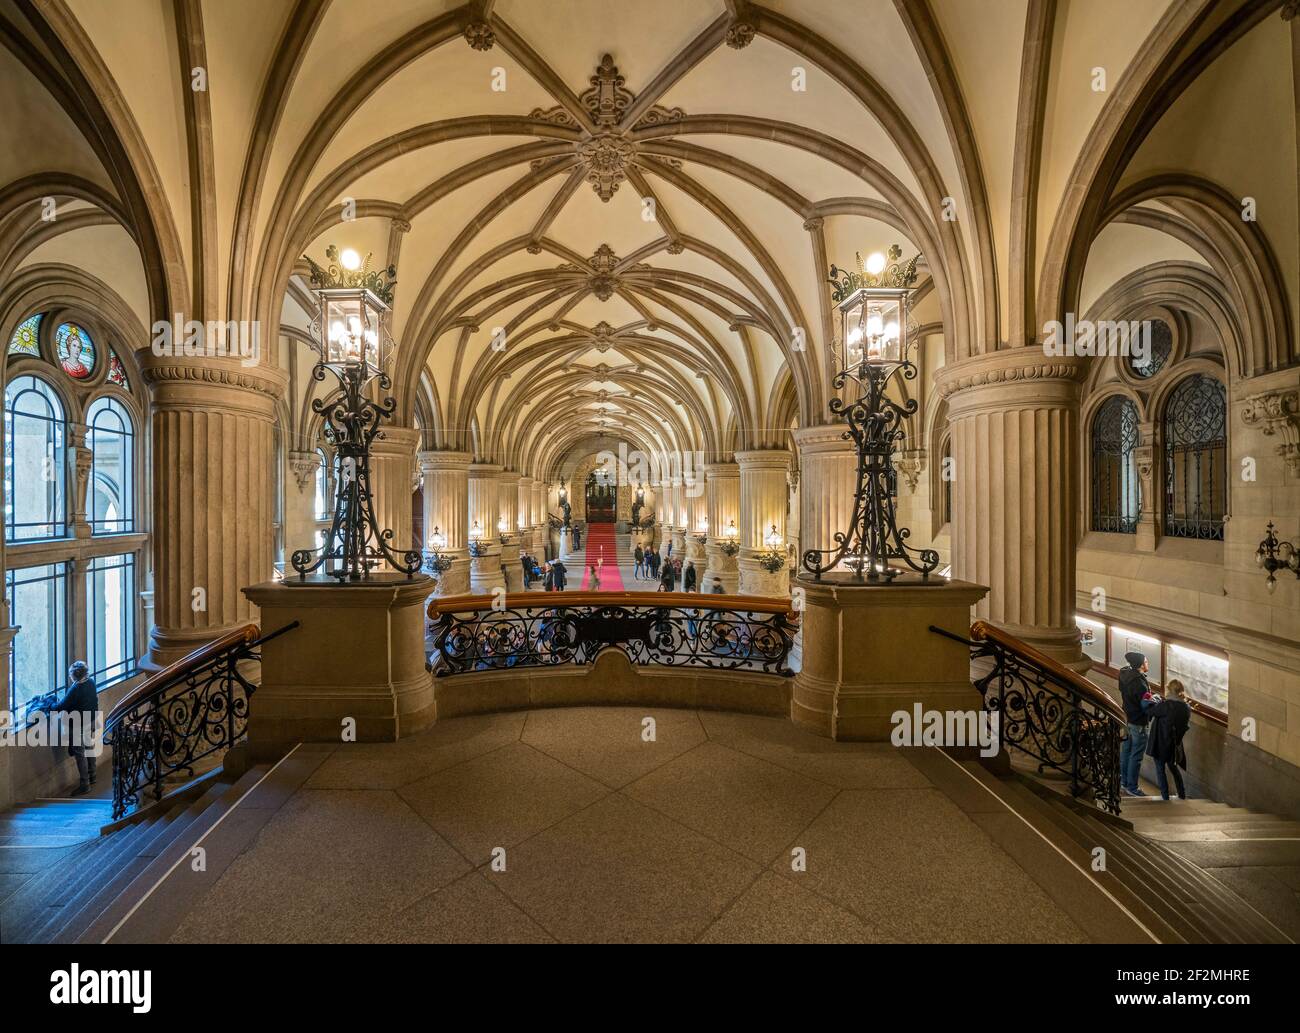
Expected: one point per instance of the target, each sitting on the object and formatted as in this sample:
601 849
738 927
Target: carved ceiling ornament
479 35
740 34
608 153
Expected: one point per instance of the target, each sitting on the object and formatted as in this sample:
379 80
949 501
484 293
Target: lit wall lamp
1274 555
477 544
438 563
775 557
730 544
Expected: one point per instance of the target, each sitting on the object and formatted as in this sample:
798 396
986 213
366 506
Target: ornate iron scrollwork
669 635
874 538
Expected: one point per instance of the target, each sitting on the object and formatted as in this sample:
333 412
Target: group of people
1156 726
669 571
553 574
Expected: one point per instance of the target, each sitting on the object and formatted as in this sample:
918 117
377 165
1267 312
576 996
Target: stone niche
868 652
356 660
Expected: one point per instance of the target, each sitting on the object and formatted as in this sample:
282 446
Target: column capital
484 470
764 459
1008 377
712 470
823 438
214 383
396 441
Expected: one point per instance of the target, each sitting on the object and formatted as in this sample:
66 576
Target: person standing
668 581
1170 718
639 556
688 577
717 588
561 574
81 700
594 580
526 562
1132 687
548 579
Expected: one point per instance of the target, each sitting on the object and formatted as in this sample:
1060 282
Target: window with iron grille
1116 491
1196 459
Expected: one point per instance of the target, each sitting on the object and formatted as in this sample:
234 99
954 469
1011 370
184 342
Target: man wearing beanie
1132 687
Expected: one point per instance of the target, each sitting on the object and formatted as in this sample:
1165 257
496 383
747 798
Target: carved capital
303 466
1277 414
815 223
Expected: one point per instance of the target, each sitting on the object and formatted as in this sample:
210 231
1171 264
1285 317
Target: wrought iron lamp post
874 347
354 349
1274 555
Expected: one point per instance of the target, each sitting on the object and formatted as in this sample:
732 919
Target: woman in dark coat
1169 721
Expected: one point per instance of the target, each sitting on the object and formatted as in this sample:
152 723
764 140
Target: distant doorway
602 498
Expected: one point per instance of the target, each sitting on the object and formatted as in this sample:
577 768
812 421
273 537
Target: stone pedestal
754 579
868 653
485 573
721 566
356 660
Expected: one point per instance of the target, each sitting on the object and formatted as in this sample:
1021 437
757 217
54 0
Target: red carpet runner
600 545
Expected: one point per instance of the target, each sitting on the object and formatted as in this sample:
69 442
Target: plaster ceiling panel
455 81
148 77
572 35
766 70
349 35
808 174
106 252
1225 128
58 146
241 38
585 222
1121 248
399 179
1100 34
849 235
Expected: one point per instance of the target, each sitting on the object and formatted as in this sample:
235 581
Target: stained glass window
76 351
1115 494
23 341
116 371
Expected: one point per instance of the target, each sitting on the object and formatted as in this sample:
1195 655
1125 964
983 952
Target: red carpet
600 544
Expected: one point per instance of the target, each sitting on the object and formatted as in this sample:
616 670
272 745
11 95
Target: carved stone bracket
479 35
303 466
1144 459
911 464
1277 414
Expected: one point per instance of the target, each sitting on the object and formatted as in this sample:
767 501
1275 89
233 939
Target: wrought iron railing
186 712
1057 717
674 629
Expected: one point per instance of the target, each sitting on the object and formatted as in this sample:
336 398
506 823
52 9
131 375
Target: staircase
80 884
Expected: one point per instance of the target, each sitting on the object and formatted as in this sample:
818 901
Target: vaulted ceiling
612 220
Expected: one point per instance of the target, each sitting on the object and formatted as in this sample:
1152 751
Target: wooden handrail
982 631
1206 711
189 662
546 600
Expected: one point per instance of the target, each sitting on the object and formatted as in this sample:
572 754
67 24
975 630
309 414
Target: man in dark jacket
1169 721
561 573
1132 686
81 700
688 577
639 556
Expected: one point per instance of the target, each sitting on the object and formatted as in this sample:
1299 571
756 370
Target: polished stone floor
602 833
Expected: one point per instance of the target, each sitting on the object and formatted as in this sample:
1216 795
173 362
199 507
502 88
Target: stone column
1015 444
762 506
485 509
213 496
722 487
300 502
446 507
828 467
697 518
678 515
663 515
1147 535
508 528
392 472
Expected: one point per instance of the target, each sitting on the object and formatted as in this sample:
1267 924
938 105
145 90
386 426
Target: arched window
1196 458
35 442
1116 498
111 440
25 340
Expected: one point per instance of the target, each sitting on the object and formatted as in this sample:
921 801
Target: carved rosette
480 36
606 158
740 35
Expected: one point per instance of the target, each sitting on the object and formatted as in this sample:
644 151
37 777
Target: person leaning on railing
1132 687
1170 718
83 700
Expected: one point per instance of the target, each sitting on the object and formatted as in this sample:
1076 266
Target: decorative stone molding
262 382
479 35
1277 414
1006 367
740 34
911 464
606 159
303 466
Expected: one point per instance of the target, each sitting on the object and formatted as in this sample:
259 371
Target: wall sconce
775 557
730 544
477 546
1274 555
437 562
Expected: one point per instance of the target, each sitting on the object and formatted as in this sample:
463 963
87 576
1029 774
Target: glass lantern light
437 541
352 319
732 533
873 328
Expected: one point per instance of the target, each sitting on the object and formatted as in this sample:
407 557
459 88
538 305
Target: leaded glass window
25 340
76 351
1196 459
1162 346
35 443
1116 492
111 440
